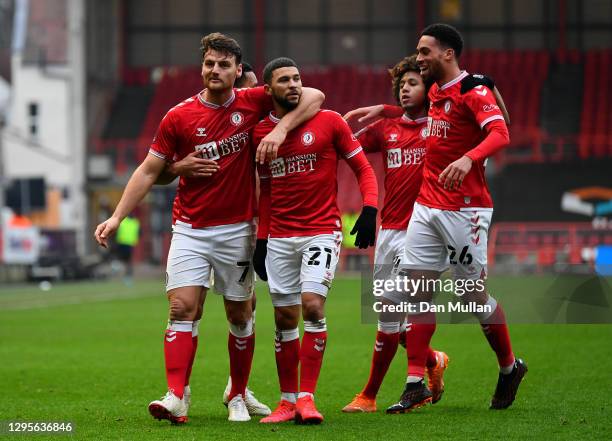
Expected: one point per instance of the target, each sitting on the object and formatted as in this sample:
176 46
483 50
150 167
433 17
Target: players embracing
212 215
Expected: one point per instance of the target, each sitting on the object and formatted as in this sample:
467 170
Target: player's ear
239 70
267 89
449 54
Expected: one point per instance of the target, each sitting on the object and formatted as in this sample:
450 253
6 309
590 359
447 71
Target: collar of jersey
454 81
273 118
229 101
407 119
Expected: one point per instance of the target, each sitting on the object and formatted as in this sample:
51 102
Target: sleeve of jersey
392 111
497 138
164 142
481 102
369 137
261 102
349 147
263 227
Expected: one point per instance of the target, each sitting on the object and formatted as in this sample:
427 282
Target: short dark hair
446 35
221 43
277 63
407 64
246 67
241 80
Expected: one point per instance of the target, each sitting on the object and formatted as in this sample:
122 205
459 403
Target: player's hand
193 166
269 145
105 230
365 227
259 259
473 80
453 175
365 115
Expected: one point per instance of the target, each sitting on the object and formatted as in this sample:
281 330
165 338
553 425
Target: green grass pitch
91 353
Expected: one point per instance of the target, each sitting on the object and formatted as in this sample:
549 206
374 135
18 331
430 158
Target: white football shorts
389 252
301 264
438 239
226 249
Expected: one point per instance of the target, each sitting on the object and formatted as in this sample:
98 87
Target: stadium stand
348 87
595 135
540 245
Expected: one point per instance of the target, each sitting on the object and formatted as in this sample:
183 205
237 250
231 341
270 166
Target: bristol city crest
447 106
236 118
308 138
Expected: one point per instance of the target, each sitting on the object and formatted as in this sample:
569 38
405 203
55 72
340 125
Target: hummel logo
482 90
378 346
201 131
241 344
170 336
319 344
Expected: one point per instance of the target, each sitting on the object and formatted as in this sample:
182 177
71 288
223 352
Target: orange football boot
285 411
435 376
361 403
306 412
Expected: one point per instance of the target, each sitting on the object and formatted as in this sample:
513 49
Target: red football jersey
304 182
455 126
401 142
221 133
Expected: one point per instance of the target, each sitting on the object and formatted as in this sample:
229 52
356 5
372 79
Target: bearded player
212 215
299 235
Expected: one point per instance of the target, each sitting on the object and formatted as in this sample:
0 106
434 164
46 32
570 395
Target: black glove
473 80
365 227
259 259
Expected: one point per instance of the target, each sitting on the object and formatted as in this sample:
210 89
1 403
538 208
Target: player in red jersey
452 213
187 167
212 215
401 141
299 235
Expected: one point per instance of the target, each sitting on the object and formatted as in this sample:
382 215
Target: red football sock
431 358
495 330
241 357
384 351
193 354
311 358
178 351
418 336
287 362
